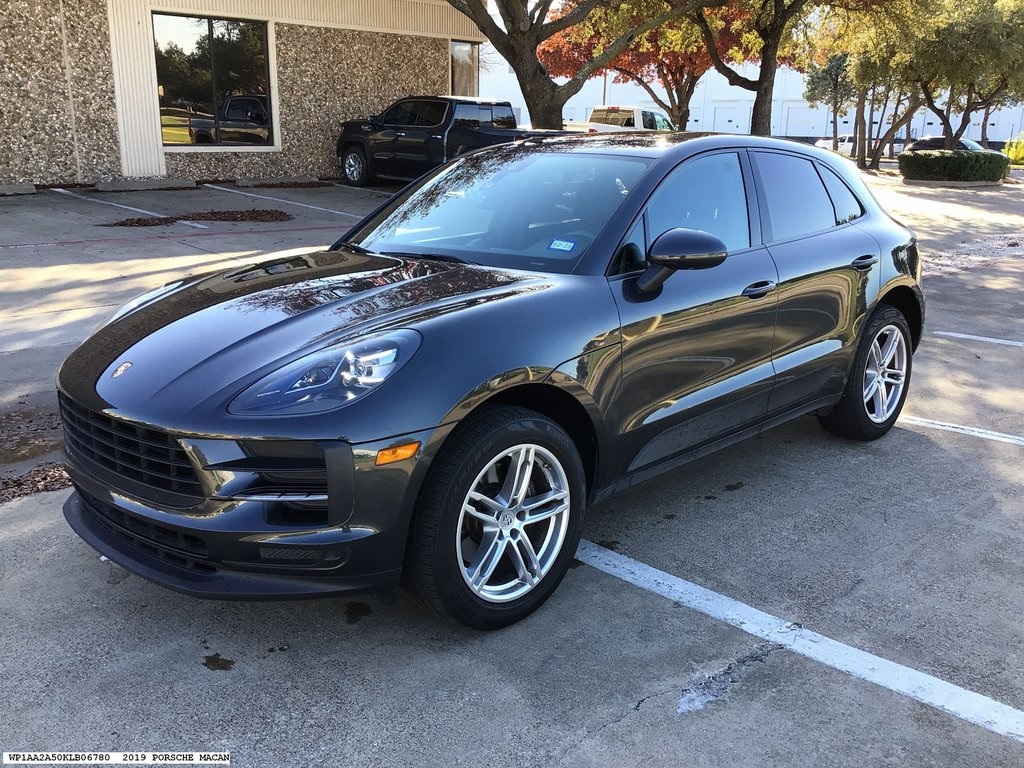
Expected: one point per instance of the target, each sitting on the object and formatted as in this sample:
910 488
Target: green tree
831 85
973 56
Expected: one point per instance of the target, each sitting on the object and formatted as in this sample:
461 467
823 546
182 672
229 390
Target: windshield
517 206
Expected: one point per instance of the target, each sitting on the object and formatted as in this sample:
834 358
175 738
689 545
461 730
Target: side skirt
674 462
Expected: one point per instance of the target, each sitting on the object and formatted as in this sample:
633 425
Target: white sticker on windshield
561 245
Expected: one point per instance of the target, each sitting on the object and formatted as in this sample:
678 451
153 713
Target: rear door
696 359
420 145
828 269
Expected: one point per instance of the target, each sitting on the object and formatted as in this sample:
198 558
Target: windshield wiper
432 256
355 248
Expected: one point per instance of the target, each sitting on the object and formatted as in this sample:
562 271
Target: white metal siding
138 117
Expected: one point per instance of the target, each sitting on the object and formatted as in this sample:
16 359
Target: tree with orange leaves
673 55
519 27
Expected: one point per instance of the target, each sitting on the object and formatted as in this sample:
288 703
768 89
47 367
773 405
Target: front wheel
499 520
878 382
354 167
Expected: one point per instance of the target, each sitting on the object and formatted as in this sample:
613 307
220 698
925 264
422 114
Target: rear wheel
353 166
499 521
879 380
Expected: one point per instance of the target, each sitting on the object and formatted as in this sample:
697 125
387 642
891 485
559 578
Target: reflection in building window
465 69
212 80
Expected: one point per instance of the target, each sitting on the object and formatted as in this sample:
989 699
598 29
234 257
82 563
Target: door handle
757 290
400 133
864 262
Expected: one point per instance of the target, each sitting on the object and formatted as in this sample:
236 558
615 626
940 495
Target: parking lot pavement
66 268
606 674
908 548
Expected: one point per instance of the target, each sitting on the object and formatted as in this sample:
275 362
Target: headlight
329 378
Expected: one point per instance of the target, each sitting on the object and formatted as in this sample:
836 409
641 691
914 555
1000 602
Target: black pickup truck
418 133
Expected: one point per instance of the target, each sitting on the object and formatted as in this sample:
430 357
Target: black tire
853 416
354 169
446 542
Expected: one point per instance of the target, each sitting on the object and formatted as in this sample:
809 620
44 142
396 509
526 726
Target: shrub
1014 150
953 165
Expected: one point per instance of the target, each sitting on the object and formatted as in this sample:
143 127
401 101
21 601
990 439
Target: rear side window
467 116
847 206
648 118
431 113
485 116
501 116
795 196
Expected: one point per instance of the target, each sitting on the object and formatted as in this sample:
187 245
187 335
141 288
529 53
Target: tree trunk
683 97
984 125
544 99
870 130
913 105
835 129
545 108
860 120
761 115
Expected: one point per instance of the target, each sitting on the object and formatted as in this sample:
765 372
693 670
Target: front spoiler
224 584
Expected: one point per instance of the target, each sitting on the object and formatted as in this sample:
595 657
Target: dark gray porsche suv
439 396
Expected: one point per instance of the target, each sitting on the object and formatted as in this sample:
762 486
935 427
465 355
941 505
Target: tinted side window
431 112
403 113
847 206
648 118
796 198
467 116
502 116
707 194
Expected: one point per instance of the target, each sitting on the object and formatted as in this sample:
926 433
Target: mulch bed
46 477
256 214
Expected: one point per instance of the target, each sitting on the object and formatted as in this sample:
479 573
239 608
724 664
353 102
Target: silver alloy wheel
885 374
353 166
513 523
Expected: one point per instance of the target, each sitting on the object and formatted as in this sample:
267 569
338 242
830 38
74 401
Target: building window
212 80
465 69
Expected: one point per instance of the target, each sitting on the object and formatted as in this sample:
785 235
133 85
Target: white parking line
959 702
989 339
282 200
126 207
1000 437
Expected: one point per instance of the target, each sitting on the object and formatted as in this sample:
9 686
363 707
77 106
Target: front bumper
162 562
236 539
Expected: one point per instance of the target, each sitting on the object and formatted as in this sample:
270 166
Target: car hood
218 332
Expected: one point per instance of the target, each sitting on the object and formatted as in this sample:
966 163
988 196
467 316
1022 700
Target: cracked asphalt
909 548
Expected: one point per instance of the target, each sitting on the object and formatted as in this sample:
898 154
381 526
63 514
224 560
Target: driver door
383 141
697 353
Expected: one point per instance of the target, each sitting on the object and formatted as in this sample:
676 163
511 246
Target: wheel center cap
505 520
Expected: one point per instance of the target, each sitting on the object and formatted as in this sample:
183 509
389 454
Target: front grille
167 544
150 459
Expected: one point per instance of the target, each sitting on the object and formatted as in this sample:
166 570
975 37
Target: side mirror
680 249
373 119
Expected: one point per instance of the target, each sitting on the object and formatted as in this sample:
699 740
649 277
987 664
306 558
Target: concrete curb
950 184
144 185
274 180
17 189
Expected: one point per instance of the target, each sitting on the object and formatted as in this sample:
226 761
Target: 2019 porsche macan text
437 397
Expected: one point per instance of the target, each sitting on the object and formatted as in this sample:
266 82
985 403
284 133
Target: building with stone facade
94 90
